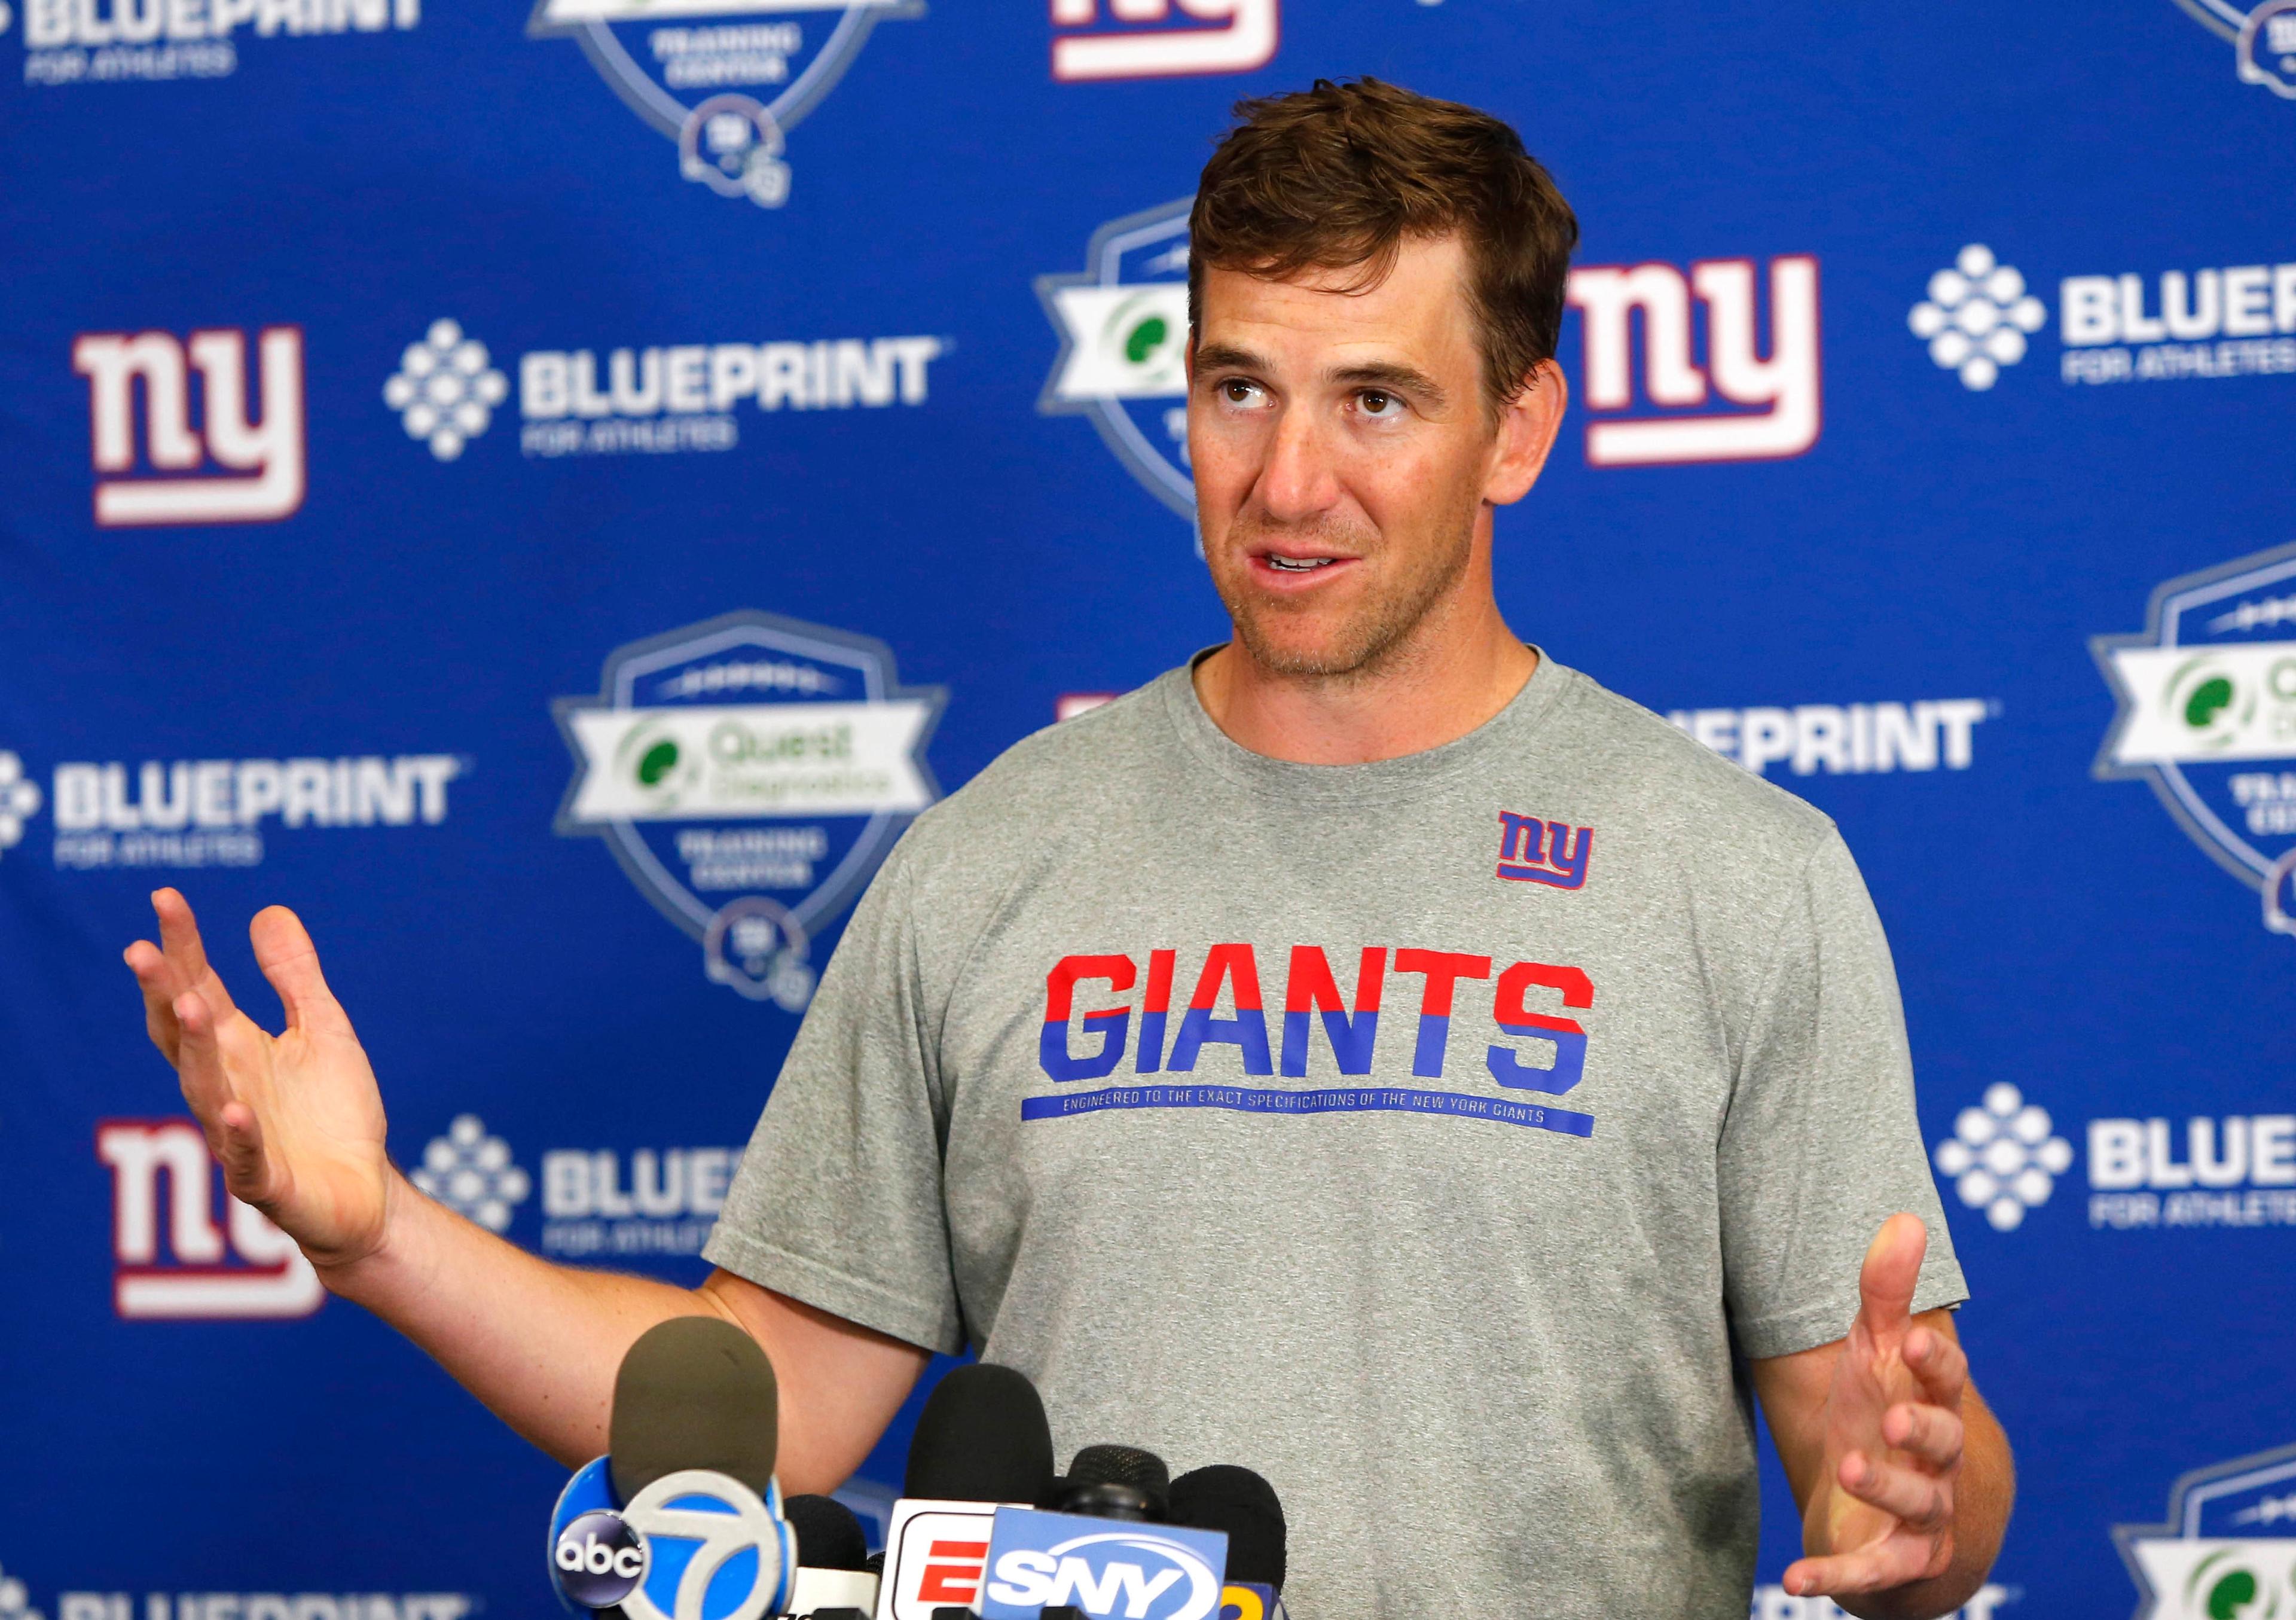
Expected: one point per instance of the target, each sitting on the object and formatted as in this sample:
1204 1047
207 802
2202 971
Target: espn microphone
1244 1505
833 1577
693 1435
981 1440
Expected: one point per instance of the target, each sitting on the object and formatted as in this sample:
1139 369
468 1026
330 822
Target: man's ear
1526 430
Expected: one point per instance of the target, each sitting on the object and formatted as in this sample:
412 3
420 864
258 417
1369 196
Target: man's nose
1301 477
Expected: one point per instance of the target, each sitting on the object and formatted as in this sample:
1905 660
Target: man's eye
1379 405
1235 390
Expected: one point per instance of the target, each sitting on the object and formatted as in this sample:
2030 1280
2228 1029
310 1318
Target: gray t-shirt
1426 1134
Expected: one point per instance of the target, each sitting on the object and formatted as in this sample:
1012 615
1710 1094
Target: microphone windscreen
694 1392
828 1535
982 1437
1239 1501
1120 1465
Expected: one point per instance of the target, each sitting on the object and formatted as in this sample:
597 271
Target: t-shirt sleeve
1821 1143
838 1200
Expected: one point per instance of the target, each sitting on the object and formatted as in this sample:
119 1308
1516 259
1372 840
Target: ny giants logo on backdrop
206 458
2207 717
2263 39
163 1181
749 773
2227 1550
72 41
1741 406
1144 39
1123 326
725 79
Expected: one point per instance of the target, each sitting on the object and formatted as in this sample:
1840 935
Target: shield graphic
1123 322
725 80
2208 716
749 774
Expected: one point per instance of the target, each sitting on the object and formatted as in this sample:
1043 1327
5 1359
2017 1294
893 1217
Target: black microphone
695 1415
1238 1502
1114 1481
832 1556
981 1441
694 1392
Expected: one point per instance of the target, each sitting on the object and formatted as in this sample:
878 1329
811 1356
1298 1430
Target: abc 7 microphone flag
694 1545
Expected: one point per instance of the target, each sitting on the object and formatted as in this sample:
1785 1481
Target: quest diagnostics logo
2207 717
749 774
724 80
2227 1549
2263 39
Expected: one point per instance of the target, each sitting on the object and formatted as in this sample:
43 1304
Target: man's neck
1440 684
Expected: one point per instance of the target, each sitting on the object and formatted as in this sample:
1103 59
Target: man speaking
1372 1053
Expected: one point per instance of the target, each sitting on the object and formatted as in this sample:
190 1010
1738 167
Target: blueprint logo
234 468
19 800
15 1603
647 1201
1741 404
1142 39
1140 1572
446 389
749 773
1123 326
242 1267
2207 717
472 1173
82 42
725 80
2004 1157
2227 1549
1977 316
2263 39
1844 739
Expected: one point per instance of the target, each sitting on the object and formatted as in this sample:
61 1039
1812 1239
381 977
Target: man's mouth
1299 565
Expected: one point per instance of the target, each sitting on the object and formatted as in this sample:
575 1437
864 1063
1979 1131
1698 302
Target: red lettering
1225 963
1310 987
1059 985
1578 991
1444 969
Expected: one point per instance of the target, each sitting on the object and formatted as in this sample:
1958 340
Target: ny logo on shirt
1536 851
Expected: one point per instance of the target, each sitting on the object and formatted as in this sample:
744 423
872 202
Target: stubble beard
1377 626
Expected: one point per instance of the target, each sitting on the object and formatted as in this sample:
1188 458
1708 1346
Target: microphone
686 1493
1103 1551
1114 1481
982 1440
833 1577
1238 1502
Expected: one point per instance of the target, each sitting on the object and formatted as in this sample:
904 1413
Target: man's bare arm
1904 1477
297 1122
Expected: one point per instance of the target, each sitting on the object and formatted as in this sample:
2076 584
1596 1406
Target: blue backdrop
423 429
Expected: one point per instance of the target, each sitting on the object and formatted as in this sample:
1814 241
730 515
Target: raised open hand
1883 1512
295 1119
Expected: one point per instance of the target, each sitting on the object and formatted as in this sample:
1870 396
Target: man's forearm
1983 1498
538 1343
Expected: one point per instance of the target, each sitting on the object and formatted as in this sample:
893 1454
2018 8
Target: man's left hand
1883 1514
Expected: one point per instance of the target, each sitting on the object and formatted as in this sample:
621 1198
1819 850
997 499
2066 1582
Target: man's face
1342 453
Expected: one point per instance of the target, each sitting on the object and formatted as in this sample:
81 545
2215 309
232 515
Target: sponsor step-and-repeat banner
552 491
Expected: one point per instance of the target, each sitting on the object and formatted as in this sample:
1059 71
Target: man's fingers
199 1059
1930 1433
1922 1502
285 951
156 981
1892 1561
179 937
1941 1365
1893 1266
239 1148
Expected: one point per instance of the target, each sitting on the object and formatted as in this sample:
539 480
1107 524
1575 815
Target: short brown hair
1337 175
